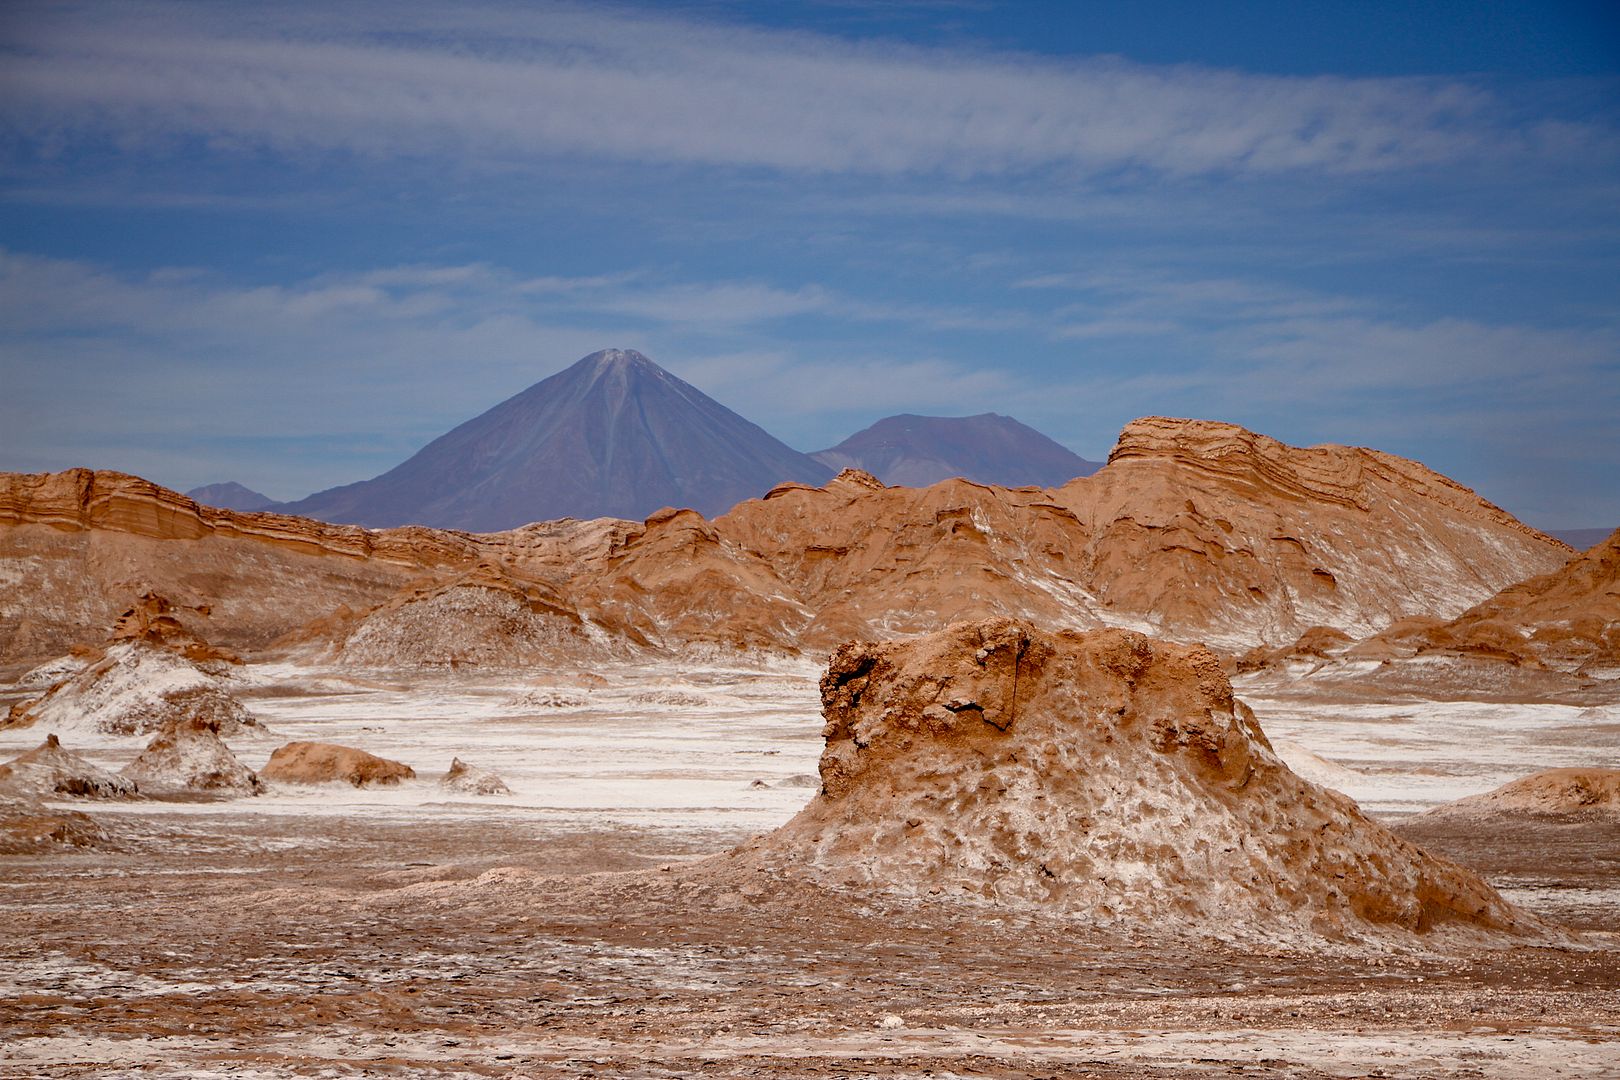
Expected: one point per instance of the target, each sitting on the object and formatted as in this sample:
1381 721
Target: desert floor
566 930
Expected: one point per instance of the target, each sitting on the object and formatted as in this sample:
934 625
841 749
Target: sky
288 244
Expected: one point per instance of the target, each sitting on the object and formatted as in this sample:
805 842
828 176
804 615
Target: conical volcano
615 435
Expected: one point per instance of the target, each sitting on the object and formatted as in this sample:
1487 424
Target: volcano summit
615 435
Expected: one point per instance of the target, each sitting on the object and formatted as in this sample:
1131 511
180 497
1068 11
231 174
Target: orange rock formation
326 763
1194 530
1102 774
1573 794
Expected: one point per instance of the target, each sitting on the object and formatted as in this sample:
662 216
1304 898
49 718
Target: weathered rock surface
1573 794
1567 621
483 619
327 763
189 755
51 771
134 689
471 780
1193 531
27 827
1106 775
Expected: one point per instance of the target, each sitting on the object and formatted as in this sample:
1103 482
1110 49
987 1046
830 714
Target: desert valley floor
570 928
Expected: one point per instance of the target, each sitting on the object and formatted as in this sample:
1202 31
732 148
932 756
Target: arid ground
571 930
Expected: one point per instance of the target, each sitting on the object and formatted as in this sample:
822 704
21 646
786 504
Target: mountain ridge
1195 531
988 448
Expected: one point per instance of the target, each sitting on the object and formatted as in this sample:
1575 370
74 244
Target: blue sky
287 244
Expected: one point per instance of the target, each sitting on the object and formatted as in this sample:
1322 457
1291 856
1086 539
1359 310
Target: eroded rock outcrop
28 827
136 688
189 755
51 770
1566 621
1106 775
1193 531
484 619
471 780
1572 794
328 763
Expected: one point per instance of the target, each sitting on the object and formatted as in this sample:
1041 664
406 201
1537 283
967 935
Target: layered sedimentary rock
327 763
78 548
1571 794
51 770
1193 531
1209 525
1104 775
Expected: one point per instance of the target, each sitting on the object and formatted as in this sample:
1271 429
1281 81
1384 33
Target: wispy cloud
504 85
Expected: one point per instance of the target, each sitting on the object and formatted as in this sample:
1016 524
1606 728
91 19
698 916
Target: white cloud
511 85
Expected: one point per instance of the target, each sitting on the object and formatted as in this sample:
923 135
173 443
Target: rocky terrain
1193 531
1051 840
324 763
592 922
1101 774
1567 620
1570 794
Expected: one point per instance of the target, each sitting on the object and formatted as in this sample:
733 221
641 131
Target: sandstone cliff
1193 531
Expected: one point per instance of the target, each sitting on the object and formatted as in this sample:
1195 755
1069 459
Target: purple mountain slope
991 449
231 496
615 435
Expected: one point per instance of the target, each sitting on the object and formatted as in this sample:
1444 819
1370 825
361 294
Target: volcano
615 435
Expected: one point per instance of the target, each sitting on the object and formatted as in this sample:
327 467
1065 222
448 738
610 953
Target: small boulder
326 763
49 770
471 780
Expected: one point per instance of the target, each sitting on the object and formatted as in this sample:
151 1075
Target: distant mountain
615 435
1581 539
920 450
230 496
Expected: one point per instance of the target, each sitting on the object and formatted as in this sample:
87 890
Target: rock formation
1193 531
136 689
49 770
79 547
1104 775
1567 620
471 780
189 755
27 827
326 763
483 619
988 449
1574 794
